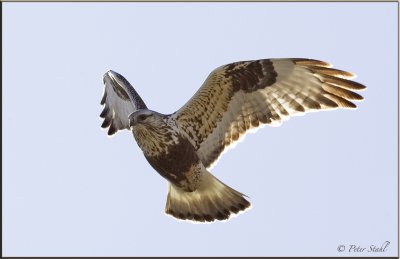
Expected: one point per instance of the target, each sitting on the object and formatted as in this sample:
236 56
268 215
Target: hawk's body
235 98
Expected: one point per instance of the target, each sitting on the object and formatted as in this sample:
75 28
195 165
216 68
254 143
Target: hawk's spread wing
244 95
119 100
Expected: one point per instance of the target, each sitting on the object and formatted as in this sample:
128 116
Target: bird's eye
142 117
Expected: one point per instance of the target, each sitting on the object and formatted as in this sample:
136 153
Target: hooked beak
132 121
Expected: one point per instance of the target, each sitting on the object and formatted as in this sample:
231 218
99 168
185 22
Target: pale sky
317 182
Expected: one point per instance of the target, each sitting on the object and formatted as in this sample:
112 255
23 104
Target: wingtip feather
105 111
104 98
311 62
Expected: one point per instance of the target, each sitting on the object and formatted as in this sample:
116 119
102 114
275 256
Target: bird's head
151 130
145 118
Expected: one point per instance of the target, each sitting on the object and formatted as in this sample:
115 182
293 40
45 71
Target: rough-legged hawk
235 98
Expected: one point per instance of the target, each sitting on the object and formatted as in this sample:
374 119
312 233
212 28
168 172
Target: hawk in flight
234 99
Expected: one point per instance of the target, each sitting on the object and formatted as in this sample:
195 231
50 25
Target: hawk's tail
212 200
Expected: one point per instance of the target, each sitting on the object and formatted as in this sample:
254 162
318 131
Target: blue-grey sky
318 181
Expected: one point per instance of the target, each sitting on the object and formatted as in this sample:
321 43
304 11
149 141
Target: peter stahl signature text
371 248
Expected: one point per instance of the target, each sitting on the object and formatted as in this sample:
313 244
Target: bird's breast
154 141
180 164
